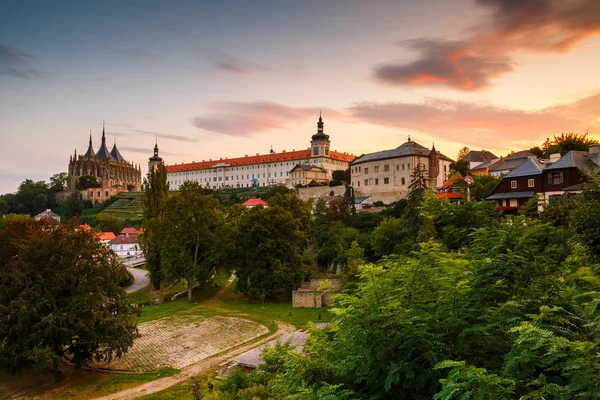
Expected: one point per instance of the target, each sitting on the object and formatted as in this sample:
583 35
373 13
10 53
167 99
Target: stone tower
320 141
155 159
434 166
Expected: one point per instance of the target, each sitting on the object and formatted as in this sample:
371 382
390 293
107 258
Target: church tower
434 167
155 159
320 141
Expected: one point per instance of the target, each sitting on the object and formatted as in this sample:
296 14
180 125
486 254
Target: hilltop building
260 170
110 169
386 175
155 159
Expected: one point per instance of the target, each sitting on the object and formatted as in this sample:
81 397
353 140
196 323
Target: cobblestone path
184 340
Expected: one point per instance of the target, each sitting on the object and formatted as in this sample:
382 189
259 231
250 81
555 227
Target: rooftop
258 159
408 148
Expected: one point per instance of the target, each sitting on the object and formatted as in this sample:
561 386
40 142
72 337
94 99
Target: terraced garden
128 206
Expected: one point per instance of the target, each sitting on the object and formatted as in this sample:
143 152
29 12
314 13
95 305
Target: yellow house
303 175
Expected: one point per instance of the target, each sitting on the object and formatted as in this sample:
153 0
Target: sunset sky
211 79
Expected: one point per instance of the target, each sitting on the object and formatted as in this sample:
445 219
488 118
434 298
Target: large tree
156 192
59 297
270 245
187 236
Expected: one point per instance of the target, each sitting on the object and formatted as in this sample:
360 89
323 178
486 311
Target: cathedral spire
90 150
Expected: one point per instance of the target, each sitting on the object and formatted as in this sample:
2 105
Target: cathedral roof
116 154
90 150
103 153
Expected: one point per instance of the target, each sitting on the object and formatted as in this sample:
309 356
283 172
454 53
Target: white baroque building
261 170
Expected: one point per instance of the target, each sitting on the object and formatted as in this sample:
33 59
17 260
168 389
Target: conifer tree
156 192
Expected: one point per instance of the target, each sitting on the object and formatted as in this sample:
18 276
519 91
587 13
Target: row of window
375 181
386 168
554 178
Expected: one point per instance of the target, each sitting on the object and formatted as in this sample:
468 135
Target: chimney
594 154
554 157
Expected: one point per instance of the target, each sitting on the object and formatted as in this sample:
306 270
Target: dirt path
194 369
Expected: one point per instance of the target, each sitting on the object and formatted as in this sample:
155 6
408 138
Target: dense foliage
513 314
59 297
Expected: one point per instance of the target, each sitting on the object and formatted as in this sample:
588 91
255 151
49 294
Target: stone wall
336 286
307 298
318 191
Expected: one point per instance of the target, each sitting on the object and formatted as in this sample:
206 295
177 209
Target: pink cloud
247 119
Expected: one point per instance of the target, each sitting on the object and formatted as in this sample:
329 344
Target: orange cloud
538 26
483 124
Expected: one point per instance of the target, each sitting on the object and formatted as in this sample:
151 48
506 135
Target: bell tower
320 141
155 159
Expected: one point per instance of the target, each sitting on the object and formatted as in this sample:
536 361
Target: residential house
105 237
304 175
126 246
519 185
567 174
361 202
255 201
507 164
475 158
47 215
452 189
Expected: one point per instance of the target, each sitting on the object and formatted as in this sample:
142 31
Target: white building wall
223 175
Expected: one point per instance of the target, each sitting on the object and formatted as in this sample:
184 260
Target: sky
211 79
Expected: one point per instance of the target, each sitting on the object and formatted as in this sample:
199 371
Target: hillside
127 206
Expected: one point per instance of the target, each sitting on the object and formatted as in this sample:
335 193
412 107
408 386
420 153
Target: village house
126 244
548 179
255 201
453 189
475 158
47 215
303 175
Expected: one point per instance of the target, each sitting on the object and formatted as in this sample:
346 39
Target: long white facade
259 170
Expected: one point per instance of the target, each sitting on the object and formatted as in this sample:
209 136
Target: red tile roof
105 235
260 159
132 231
123 239
255 202
85 227
449 195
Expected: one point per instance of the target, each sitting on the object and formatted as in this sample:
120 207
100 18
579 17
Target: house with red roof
452 189
132 231
105 237
254 201
260 170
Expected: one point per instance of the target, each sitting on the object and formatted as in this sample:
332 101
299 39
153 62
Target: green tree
86 182
4 207
58 181
156 192
566 142
270 245
392 236
74 205
187 236
59 297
